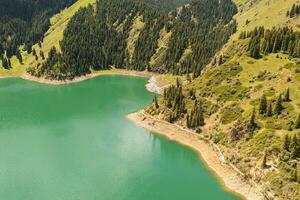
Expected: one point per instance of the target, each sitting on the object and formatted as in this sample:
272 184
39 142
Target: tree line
264 41
294 11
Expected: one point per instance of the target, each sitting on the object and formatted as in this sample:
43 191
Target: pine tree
220 60
19 56
295 147
188 123
5 63
264 161
286 143
252 122
287 95
9 62
156 102
292 12
33 52
42 55
278 106
263 105
297 122
196 118
270 110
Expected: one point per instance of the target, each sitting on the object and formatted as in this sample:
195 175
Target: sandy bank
87 77
209 155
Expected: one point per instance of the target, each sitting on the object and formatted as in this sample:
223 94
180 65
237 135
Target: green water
73 142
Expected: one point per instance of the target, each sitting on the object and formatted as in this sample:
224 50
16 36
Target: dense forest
264 41
166 4
25 22
96 39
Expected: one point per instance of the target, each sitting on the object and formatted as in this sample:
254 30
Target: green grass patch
230 113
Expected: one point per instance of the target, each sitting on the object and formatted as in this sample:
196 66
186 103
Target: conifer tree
286 143
292 12
263 105
9 62
278 106
264 161
220 60
5 63
188 123
287 95
19 56
297 122
295 147
33 52
196 117
155 102
270 110
42 55
252 122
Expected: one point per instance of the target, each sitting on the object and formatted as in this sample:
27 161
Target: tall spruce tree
286 142
252 122
264 161
287 95
297 122
278 106
156 102
270 110
263 105
295 147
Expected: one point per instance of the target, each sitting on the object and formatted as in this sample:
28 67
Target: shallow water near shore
73 142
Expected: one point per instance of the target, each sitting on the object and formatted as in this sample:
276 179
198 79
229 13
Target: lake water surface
72 142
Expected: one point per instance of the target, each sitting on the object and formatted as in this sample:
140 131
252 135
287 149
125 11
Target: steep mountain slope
249 107
136 29
24 22
51 38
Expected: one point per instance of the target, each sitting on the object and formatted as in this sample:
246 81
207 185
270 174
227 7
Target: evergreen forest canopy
25 22
264 41
294 11
166 4
126 34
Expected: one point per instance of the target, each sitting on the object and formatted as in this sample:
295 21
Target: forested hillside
24 22
129 34
247 103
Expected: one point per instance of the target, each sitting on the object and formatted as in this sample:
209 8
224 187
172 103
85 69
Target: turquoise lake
73 142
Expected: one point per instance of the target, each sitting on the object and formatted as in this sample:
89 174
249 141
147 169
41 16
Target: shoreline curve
227 176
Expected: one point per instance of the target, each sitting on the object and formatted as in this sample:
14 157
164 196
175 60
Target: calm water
72 142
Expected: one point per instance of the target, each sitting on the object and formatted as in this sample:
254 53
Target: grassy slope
162 47
231 91
134 34
268 13
235 89
52 38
